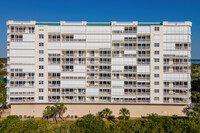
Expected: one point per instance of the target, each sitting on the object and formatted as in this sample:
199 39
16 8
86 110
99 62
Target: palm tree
124 112
54 111
99 115
195 95
61 109
106 113
47 112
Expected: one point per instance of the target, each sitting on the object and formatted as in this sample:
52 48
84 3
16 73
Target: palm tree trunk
3 108
61 117
56 119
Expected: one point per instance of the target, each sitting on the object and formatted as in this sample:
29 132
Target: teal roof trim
98 23
148 24
43 23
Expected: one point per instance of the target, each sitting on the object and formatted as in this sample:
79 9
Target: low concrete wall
83 109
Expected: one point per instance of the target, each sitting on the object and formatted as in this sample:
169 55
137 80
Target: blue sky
101 11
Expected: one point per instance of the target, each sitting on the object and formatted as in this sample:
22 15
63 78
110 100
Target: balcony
180 86
21 93
176 101
73 93
105 70
176 94
73 55
73 40
105 55
54 93
54 85
21 100
104 62
166 62
180 63
182 48
124 101
143 78
143 101
143 63
143 47
129 85
124 31
143 55
54 62
104 93
143 85
184 70
54 100
143 40
22 77
130 70
21 85
104 85
129 93
143 93
130 40
16 39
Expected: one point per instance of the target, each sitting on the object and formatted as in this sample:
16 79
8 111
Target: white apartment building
133 63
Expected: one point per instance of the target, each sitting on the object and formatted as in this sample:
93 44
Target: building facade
99 63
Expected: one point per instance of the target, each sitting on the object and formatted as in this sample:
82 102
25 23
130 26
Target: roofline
112 23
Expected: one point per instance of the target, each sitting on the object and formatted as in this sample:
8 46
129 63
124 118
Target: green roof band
40 23
149 24
98 24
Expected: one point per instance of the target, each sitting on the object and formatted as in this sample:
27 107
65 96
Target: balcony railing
144 55
180 86
54 100
54 39
73 40
143 85
20 101
143 40
123 32
144 63
145 47
16 39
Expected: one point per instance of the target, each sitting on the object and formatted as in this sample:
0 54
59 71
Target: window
156 60
156 98
41 59
156 75
41 51
156 83
156 90
41 67
41 44
40 97
156 67
41 74
41 36
156 44
41 90
156 52
41 82
156 28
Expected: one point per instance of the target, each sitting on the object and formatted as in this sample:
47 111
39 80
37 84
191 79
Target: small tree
194 112
106 113
99 115
195 95
124 112
61 109
57 109
2 95
47 112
